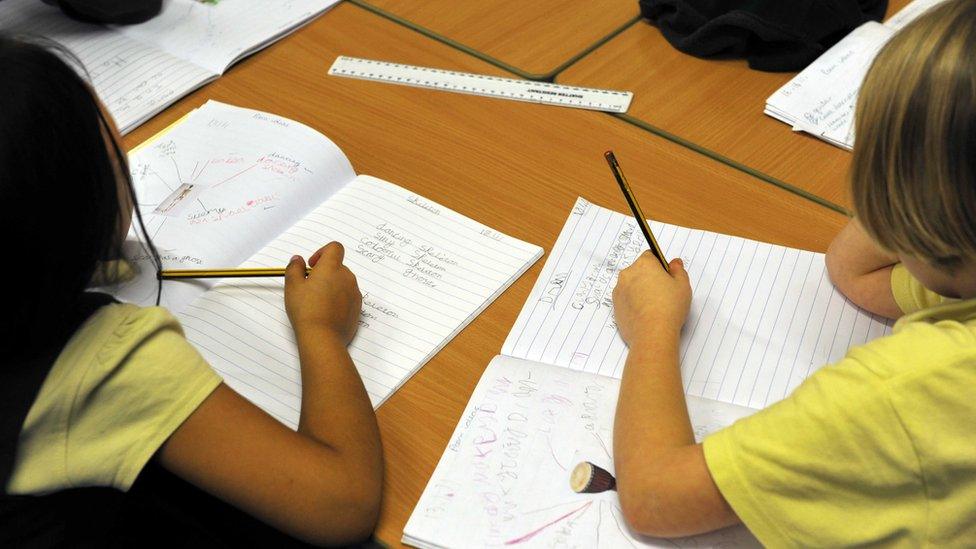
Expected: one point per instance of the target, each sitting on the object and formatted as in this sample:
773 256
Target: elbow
835 267
641 507
655 503
347 516
354 523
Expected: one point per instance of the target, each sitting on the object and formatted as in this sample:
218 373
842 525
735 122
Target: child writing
107 409
876 449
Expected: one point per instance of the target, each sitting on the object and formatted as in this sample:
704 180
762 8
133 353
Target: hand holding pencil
651 294
328 299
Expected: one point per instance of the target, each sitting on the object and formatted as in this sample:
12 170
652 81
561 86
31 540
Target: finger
315 257
295 271
677 267
332 254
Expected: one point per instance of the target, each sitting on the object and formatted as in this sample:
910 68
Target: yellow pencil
636 209
175 274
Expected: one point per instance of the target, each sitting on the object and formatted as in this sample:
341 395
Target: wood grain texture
535 37
515 166
717 104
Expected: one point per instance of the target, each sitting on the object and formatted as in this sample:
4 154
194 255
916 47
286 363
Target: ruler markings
482 85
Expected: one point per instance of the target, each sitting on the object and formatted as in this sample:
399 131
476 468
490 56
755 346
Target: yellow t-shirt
124 382
878 449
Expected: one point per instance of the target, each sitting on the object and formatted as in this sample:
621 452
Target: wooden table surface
715 104
535 38
517 167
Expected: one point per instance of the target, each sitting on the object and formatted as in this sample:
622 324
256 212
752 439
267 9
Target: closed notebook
233 187
763 318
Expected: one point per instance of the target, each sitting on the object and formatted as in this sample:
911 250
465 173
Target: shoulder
125 380
830 451
116 327
916 349
909 293
882 435
104 343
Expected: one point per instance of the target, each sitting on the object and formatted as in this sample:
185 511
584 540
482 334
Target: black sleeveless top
159 508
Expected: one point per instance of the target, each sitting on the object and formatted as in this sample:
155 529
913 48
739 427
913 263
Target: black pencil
636 209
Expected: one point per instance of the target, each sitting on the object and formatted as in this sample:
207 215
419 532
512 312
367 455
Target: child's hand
328 299
646 297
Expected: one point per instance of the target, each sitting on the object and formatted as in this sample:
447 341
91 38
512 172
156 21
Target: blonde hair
913 176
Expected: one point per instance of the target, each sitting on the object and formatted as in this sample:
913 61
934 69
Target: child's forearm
336 410
663 481
652 415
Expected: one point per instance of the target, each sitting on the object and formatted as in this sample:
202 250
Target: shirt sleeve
909 293
144 385
828 466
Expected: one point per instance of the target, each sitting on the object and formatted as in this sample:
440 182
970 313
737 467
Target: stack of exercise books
821 99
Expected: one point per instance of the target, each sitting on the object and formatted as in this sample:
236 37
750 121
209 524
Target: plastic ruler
482 84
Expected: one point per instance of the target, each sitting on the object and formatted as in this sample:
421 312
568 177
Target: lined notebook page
504 477
133 80
214 35
425 272
763 317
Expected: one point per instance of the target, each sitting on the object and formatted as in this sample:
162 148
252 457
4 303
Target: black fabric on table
116 12
773 35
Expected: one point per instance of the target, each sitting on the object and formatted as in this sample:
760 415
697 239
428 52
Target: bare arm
862 270
321 484
664 485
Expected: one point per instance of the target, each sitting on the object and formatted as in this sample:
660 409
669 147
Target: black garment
115 12
774 35
160 509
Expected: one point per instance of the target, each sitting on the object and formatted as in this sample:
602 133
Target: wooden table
534 39
716 105
515 166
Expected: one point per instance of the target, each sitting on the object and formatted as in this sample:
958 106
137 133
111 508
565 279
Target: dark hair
61 186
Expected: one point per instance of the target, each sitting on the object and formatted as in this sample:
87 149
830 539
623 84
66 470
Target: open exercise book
763 318
821 99
232 187
139 70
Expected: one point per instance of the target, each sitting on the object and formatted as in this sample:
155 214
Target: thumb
677 267
295 271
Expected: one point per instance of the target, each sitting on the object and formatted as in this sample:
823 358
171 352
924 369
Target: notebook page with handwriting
424 271
220 186
504 477
763 317
820 100
133 80
215 34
